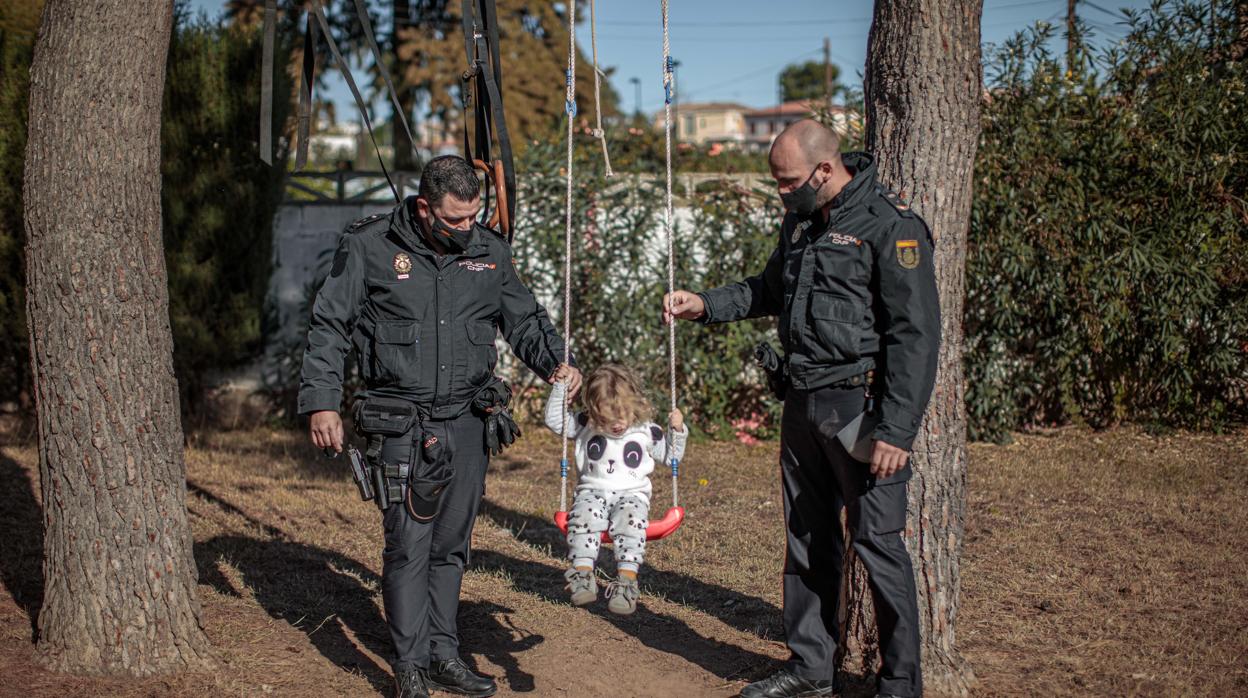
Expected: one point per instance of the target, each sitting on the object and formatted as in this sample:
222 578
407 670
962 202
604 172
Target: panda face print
633 454
606 456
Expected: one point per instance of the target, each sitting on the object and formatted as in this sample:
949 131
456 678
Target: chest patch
402 265
908 253
477 266
844 239
798 230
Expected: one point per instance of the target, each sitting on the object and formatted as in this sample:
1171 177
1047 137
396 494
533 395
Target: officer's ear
422 207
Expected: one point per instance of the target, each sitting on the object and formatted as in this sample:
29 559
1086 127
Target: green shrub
218 199
1107 269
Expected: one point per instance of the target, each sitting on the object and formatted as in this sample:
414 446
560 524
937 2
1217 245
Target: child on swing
616 449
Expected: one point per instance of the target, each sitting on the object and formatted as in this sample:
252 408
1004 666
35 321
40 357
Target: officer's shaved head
448 174
806 143
807 152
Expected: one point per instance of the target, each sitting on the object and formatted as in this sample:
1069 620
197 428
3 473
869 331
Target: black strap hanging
307 77
365 22
482 86
355 92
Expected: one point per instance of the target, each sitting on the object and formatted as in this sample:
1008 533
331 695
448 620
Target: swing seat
656 530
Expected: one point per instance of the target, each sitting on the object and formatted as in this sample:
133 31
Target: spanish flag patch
908 254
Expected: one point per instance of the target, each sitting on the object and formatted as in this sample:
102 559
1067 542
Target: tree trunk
923 89
120 576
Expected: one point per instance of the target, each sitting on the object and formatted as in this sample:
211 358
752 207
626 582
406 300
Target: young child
616 449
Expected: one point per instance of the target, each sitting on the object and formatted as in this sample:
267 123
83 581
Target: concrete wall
304 239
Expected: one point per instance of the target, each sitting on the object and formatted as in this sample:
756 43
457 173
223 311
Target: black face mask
454 239
803 200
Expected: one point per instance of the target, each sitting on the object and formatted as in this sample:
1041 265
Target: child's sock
629 574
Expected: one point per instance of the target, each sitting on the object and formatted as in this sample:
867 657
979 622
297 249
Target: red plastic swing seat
656 530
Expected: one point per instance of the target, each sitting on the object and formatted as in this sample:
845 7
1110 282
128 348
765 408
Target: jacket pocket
836 322
395 355
484 355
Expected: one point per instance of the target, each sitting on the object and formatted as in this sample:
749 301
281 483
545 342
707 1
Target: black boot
784 684
410 684
453 676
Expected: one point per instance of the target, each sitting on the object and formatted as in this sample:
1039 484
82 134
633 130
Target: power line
722 39
1116 15
742 23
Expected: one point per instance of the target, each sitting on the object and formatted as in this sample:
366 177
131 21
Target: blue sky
733 51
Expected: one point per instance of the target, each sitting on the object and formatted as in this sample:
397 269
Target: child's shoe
583 586
622 595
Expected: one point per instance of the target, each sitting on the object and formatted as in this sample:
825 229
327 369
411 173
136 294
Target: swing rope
570 108
668 90
600 134
675 516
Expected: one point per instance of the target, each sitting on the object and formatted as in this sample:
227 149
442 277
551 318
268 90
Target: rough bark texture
120 576
923 89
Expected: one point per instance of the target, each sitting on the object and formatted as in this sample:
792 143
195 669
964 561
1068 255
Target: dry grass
1094 563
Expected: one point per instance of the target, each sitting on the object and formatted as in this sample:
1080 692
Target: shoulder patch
365 222
899 204
656 433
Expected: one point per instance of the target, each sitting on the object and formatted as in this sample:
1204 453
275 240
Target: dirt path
289 568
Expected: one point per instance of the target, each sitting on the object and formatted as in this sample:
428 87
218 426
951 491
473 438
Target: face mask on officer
448 236
803 200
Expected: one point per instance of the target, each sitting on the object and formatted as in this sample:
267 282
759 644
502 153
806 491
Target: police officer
852 282
420 294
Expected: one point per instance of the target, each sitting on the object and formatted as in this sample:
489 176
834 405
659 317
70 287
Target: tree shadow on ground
325 594
746 613
21 545
655 630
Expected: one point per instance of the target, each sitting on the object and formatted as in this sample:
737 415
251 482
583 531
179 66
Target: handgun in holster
775 368
378 419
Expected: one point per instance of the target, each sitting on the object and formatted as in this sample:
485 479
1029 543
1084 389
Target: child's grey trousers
622 514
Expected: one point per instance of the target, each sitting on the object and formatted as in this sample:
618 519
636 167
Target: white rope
570 108
668 89
598 132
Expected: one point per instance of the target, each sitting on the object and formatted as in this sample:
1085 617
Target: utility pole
636 96
1071 19
827 70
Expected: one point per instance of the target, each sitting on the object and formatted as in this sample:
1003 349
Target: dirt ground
1095 563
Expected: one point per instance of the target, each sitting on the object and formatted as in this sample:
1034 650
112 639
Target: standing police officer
852 282
420 293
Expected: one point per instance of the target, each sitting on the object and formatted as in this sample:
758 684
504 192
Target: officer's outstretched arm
329 335
761 295
911 322
526 326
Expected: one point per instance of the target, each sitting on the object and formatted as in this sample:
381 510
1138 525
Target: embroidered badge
402 265
798 230
477 266
908 253
844 239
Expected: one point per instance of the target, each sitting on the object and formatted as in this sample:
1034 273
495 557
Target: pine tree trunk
120 576
923 89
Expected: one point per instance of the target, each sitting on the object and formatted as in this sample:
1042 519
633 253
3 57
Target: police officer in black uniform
420 294
852 282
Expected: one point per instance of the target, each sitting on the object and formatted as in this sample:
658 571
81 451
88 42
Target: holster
378 419
775 368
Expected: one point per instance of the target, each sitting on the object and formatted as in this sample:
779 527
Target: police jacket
422 325
855 294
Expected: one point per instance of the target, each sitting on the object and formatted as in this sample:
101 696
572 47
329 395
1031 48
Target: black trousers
423 563
819 478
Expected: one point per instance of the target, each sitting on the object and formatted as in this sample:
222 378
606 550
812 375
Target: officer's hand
326 427
572 381
887 459
682 304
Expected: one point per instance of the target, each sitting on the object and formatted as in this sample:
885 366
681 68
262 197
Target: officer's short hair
448 174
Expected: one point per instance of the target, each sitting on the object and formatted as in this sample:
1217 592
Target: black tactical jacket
856 294
422 325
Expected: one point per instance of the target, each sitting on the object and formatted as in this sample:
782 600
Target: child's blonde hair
613 392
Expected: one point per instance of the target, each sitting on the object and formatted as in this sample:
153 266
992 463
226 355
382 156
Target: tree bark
120 575
404 149
923 88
